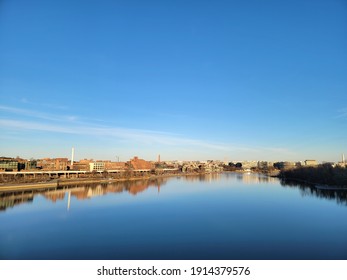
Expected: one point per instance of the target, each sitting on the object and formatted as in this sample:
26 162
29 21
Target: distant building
284 165
265 164
29 165
311 162
114 165
8 164
53 164
82 165
17 164
61 163
249 164
137 163
97 166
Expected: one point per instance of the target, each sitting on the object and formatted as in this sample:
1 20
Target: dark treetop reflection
217 216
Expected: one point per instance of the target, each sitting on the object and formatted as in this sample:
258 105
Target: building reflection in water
209 177
255 178
69 201
82 192
13 199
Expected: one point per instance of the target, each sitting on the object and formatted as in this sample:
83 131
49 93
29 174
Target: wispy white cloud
35 114
48 105
49 123
136 135
75 125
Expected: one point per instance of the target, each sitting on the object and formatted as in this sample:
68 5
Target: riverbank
322 177
10 187
58 183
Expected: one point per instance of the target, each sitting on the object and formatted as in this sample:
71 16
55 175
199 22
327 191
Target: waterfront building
114 165
53 164
137 163
97 166
81 166
8 164
29 165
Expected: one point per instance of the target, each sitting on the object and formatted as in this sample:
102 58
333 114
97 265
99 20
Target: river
215 216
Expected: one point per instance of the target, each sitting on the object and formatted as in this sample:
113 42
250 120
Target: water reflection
340 196
13 199
80 192
135 187
236 216
255 178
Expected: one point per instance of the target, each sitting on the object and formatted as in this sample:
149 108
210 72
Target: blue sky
189 80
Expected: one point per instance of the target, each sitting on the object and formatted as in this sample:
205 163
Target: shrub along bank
324 174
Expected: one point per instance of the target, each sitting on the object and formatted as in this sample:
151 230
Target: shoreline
315 185
322 177
57 183
12 187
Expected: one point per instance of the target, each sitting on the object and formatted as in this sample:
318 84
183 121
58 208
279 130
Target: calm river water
218 216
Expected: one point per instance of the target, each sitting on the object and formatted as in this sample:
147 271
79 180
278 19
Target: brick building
137 163
53 164
112 165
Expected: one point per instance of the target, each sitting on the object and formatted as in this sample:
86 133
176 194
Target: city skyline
70 160
189 80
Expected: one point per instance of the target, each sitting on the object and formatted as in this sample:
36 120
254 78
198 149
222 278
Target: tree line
324 174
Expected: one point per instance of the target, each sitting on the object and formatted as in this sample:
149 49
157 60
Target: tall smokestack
343 158
72 155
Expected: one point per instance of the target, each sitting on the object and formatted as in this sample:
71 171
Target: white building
249 164
97 166
311 162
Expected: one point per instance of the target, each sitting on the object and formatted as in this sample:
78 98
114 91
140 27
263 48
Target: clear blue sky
189 80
